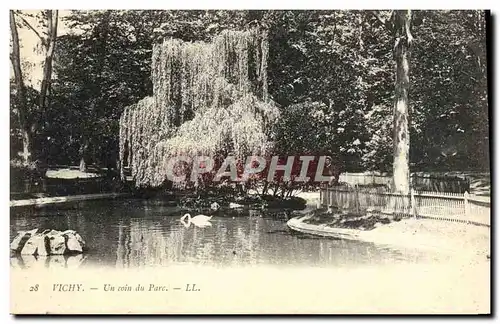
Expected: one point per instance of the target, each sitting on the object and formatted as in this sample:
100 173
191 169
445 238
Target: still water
143 233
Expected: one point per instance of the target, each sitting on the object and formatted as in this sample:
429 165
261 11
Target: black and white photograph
250 161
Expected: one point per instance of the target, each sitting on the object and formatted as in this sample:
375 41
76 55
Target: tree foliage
331 74
208 99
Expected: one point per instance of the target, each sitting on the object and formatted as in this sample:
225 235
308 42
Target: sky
31 56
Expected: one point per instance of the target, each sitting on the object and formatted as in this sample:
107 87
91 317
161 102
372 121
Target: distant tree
101 69
449 91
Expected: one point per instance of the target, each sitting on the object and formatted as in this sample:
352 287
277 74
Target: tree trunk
83 165
401 133
26 154
22 105
52 18
83 152
399 204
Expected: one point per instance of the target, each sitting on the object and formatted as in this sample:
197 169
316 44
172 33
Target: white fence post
466 205
328 199
356 201
413 204
320 202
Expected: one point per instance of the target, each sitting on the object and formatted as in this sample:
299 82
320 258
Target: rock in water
72 243
36 245
20 240
57 244
80 240
47 242
30 246
78 237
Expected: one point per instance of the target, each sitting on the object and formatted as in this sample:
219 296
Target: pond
142 233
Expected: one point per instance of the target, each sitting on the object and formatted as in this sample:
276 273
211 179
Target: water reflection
137 233
52 261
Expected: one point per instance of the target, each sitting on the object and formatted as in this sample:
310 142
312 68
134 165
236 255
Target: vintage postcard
249 162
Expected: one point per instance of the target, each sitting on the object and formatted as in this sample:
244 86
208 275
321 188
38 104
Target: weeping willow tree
208 99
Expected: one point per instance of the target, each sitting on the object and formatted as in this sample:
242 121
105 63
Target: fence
419 181
444 206
365 179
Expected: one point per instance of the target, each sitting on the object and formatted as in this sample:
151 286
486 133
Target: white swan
198 220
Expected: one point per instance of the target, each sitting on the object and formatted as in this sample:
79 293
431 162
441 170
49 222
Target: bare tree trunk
27 146
21 92
52 19
401 133
83 152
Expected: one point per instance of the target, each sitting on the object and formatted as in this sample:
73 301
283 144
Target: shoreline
461 239
410 233
63 199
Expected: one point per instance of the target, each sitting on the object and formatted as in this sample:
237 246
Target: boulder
20 240
36 245
17 243
80 240
72 243
47 242
76 235
57 244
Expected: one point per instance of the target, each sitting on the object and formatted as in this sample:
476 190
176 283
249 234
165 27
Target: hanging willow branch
208 98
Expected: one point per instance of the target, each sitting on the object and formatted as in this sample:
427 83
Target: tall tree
44 25
403 40
399 24
22 106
